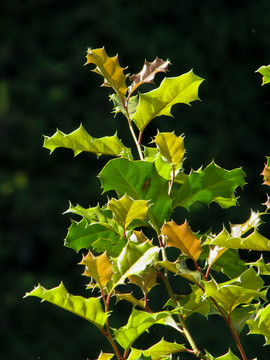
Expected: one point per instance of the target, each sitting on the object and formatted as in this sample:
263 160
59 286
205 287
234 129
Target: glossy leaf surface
90 309
79 140
171 147
211 184
181 89
109 68
139 180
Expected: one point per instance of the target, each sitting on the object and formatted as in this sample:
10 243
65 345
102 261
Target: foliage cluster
128 239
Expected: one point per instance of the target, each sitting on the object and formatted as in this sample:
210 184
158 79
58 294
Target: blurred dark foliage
44 86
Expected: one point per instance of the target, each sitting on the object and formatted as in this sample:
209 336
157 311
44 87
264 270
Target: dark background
44 86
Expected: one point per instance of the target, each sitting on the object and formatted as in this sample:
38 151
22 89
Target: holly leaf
146 281
133 260
105 356
265 71
181 89
181 269
266 172
97 267
92 214
208 185
96 236
163 348
229 356
261 324
138 323
79 140
181 237
148 72
90 309
194 302
119 106
171 148
125 210
109 68
140 181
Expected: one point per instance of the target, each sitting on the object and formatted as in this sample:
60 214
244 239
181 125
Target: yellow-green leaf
97 267
105 356
109 68
181 89
90 309
171 147
181 237
126 210
265 71
79 140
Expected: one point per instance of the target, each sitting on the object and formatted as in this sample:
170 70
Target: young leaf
162 349
148 72
266 172
92 214
97 267
181 270
130 298
228 356
263 268
211 184
254 221
138 323
104 356
261 324
140 181
133 260
171 147
89 309
181 89
109 68
97 236
119 106
126 209
194 302
265 71
146 281
79 140
181 237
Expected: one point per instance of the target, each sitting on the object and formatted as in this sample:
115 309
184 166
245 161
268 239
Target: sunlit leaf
171 147
96 236
254 221
163 348
109 68
97 267
195 302
125 210
228 356
208 185
118 105
235 292
181 237
181 89
148 72
240 315
133 260
140 181
90 309
265 71
146 281
130 298
261 324
138 323
266 172
91 214
263 268
105 356
180 268
79 140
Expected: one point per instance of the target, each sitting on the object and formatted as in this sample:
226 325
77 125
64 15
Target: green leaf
181 89
96 236
89 309
171 148
254 241
133 260
263 268
140 181
265 71
180 268
211 184
104 356
148 72
181 237
138 323
261 324
266 173
163 348
79 140
109 68
119 106
235 292
97 267
228 356
194 302
125 210
240 315
92 214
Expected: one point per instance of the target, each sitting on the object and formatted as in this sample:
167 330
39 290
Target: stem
185 330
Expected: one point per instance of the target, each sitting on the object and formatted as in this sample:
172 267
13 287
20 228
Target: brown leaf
181 237
148 72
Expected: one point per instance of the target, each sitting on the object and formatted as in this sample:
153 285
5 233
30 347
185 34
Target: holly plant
125 243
